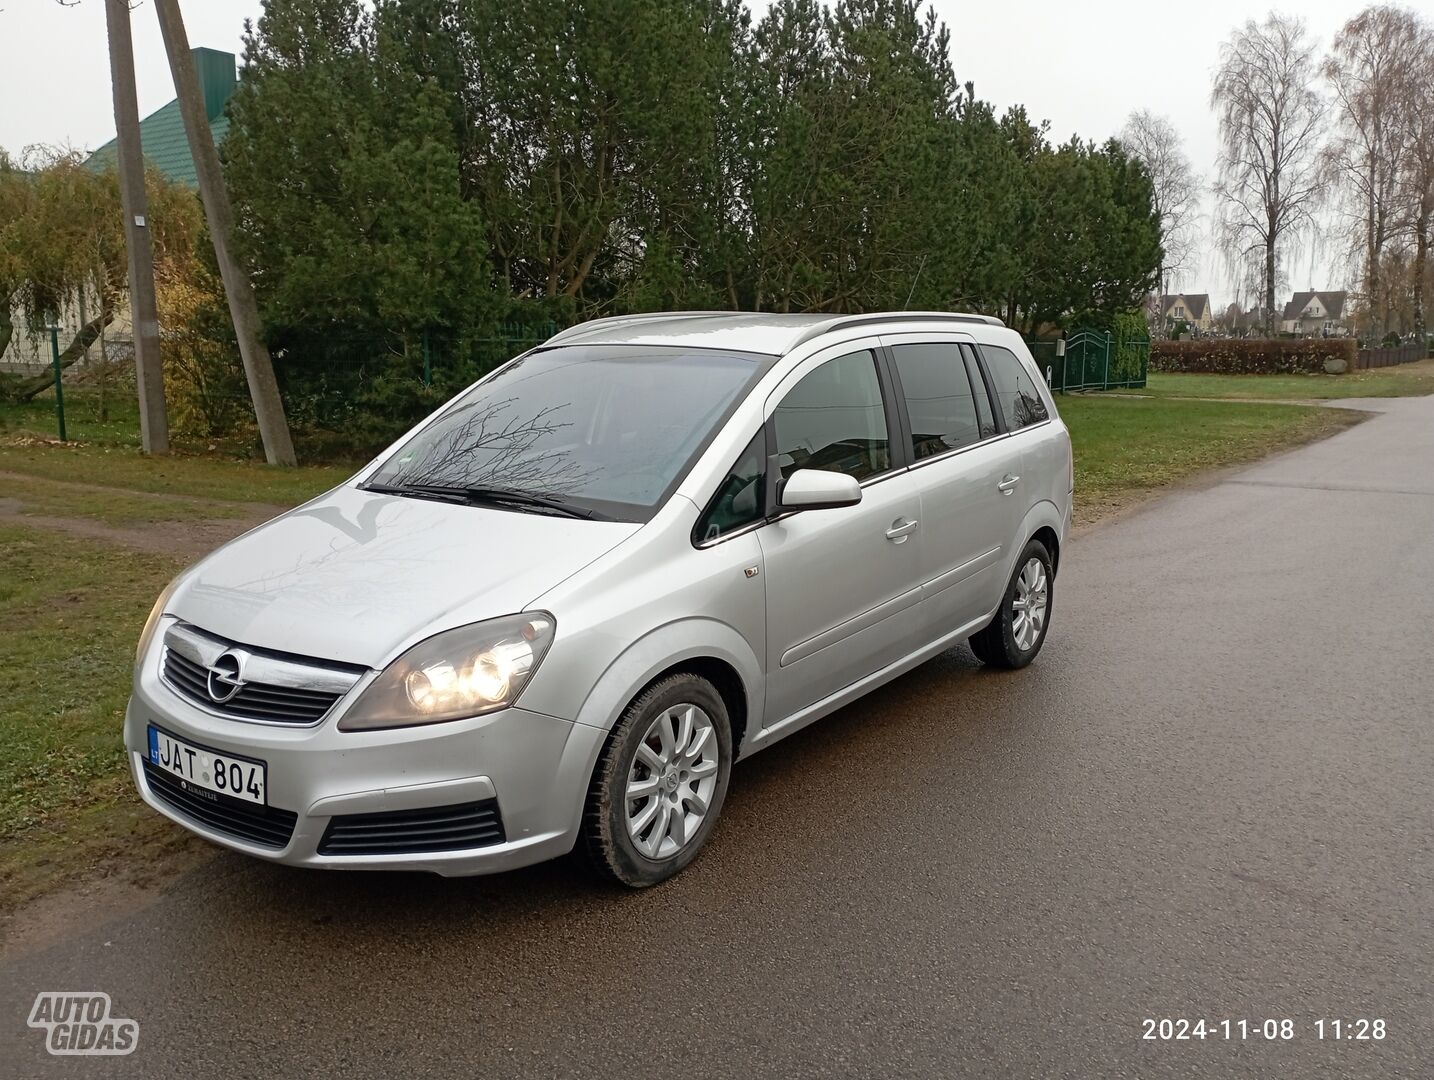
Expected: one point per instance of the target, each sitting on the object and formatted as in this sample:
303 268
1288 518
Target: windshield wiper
499 495
417 492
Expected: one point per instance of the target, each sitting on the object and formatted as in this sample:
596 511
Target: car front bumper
537 767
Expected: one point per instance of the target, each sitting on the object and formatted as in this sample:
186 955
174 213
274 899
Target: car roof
748 331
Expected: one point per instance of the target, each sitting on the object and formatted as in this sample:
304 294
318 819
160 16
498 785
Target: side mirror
819 489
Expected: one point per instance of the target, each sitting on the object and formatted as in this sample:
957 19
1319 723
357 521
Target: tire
675 780
1003 643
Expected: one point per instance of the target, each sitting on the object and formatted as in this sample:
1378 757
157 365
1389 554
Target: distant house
1191 308
1316 314
162 131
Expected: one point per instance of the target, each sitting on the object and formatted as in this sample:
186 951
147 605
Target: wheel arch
704 647
1043 522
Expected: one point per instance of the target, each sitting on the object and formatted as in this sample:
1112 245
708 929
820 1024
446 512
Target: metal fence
1092 360
507 341
1391 355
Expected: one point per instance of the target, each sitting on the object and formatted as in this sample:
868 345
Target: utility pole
243 308
149 372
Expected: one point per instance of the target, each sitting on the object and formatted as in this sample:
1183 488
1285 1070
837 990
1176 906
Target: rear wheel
1014 637
659 783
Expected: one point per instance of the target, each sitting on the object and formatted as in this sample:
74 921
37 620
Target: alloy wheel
1028 608
671 781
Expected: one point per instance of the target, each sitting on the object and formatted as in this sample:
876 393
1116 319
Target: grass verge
112 506
199 477
1129 448
72 613
1404 380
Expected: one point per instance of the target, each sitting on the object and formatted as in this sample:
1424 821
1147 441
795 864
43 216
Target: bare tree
1371 70
1270 120
1416 179
1153 140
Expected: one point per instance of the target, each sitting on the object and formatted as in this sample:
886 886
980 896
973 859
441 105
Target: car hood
355 576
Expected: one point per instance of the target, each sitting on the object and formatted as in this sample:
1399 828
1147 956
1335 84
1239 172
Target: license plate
209 770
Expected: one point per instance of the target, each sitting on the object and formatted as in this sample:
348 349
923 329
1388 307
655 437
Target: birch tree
1270 123
1416 179
1372 70
1154 142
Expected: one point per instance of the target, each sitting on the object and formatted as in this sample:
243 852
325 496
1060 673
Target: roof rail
583 328
842 322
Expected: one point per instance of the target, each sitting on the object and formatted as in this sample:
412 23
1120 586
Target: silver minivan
555 613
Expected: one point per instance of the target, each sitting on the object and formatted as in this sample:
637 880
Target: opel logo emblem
224 681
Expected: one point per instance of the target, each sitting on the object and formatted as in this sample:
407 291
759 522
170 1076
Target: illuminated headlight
456 674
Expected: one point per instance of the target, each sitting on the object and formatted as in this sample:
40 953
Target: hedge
1239 356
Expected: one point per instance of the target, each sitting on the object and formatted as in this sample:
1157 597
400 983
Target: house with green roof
162 131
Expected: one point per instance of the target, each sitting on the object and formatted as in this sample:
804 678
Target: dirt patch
189 540
193 540
124 869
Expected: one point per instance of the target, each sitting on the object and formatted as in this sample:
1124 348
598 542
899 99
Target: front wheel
1013 638
659 783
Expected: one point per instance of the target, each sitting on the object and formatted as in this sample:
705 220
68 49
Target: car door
967 472
843 584
1023 412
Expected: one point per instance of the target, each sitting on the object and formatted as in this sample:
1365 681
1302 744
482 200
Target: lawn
112 419
1127 447
72 605
1404 380
106 452
71 613
222 479
111 506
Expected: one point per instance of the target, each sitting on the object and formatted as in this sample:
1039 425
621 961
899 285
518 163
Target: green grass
54 498
1127 447
1401 381
72 613
111 422
106 452
178 474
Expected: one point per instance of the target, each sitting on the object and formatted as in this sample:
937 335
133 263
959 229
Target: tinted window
1020 401
607 427
739 498
939 401
983 397
834 419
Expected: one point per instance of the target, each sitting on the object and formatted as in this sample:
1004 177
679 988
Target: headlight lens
456 674
150 624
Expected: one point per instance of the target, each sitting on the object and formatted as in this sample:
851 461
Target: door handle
1008 485
901 529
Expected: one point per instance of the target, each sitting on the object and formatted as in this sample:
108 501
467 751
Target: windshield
608 428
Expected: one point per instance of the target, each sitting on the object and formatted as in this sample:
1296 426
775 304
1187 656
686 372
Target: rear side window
983 397
739 498
1020 402
939 400
834 419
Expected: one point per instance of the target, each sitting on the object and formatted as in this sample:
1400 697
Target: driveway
1210 798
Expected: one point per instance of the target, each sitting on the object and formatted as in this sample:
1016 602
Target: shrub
1268 356
1130 346
203 375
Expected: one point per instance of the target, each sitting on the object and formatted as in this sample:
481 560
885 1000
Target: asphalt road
1210 798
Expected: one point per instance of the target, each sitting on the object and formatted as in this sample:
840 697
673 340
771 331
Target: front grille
254 701
411 832
267 826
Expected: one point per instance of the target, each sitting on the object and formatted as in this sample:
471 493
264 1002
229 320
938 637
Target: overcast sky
1081 65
